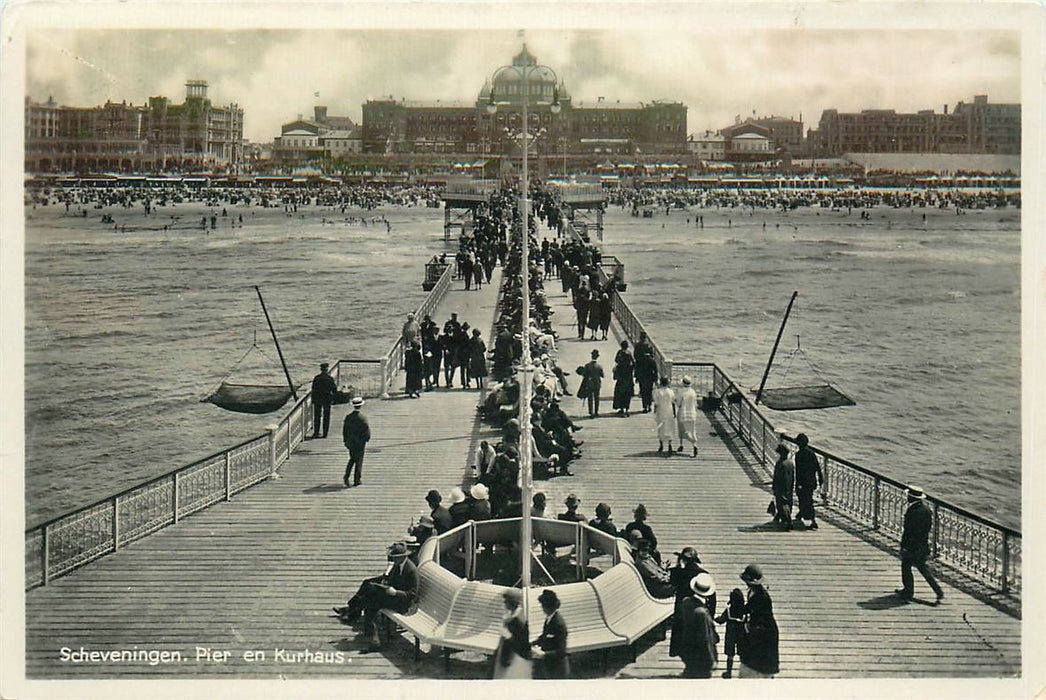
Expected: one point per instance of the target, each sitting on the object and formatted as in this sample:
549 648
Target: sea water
917 320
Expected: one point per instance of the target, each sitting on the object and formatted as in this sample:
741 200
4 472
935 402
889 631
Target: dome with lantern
506 85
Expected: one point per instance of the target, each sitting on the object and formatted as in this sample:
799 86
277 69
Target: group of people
457 350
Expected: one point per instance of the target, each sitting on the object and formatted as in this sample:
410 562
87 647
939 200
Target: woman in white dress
512 658
686 415
664 412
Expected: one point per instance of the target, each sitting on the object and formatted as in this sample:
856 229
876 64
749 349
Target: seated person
657 581
603 521
478 503
639 525
440 515
459 508
425 529
572 502
396 589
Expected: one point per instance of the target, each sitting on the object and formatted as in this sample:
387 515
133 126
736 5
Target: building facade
977 127
602 127
313 140
120 136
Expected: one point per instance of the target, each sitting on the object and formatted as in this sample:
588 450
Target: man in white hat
693 630
686 415
479 506
915 545
356 434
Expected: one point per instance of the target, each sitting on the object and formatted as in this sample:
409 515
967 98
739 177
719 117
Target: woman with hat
479 506
512 658
664 411
686 415
693 631
624 380
551 652
759 646
414 366
477 358
784 487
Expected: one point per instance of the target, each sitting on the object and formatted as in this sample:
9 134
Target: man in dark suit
323 392
551 653
396 589
915 545
592 383
808 478
356 434
440 515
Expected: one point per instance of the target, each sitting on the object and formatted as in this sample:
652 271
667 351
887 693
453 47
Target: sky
274 75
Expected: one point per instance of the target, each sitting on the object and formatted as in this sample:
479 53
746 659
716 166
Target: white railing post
45 554
228 476
116 523
385 380
272 450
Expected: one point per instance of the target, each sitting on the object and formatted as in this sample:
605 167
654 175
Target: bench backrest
579 606
622 594
478 609
436 589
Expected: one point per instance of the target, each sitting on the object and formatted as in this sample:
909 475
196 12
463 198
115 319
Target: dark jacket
441 517
355 431
759 651
459 513
808 474
693 635
323 389
405 580
553 641
915 538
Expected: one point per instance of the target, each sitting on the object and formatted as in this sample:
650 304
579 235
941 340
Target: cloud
274 74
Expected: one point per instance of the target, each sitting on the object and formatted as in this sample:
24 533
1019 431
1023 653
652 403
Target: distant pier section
462 201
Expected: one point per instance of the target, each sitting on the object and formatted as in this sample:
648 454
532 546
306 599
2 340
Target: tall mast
276 340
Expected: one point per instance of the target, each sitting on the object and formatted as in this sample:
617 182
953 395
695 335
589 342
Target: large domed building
602 127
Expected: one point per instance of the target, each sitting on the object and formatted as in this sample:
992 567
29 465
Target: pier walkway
262 572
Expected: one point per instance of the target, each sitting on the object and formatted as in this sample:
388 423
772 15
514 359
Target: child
734 617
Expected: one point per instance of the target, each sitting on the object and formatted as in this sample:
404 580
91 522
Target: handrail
392 361
971 544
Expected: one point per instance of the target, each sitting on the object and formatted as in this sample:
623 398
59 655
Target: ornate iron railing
971 544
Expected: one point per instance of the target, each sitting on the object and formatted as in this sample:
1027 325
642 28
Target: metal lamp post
527 370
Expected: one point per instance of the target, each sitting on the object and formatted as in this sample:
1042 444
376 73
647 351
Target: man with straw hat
356 434
693 633
915 546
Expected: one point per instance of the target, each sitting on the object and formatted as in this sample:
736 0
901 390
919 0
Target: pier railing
392 362
972 545
69 541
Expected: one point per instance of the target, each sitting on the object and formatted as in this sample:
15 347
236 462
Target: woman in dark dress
512 658
624 387
551 653
477 358
759 650
414 365
606 310
595 310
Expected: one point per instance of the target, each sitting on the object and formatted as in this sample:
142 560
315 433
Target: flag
316 94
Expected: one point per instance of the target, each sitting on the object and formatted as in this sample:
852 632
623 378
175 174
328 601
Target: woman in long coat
477 358
784 487
512 658
759 652
595 311
624 371
606 310
414 365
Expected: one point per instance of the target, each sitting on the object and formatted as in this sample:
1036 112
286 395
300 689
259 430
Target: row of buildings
198 134
159 135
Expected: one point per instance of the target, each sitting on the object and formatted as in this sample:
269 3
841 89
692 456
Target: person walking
323 392
512 659
624 380
551 652
808 478
356 434
477 358
414 365
759 652
686 415
411 332
646 371
581 307
693 634
591 384
784 486
915 545
734 619
664 412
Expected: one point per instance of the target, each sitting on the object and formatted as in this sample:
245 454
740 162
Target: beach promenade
260 573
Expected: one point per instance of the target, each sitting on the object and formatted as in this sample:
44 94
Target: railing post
385 377
1005 562
272 450
45 554
174 498
876 504
228 476
116 523
936 529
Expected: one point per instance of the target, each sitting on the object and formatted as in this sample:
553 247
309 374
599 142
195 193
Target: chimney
320 114
946 110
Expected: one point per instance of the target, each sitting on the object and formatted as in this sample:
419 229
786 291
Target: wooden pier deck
260 573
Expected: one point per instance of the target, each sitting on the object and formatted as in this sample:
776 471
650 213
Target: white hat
480 492
686 379
456 495
357 401
703 585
